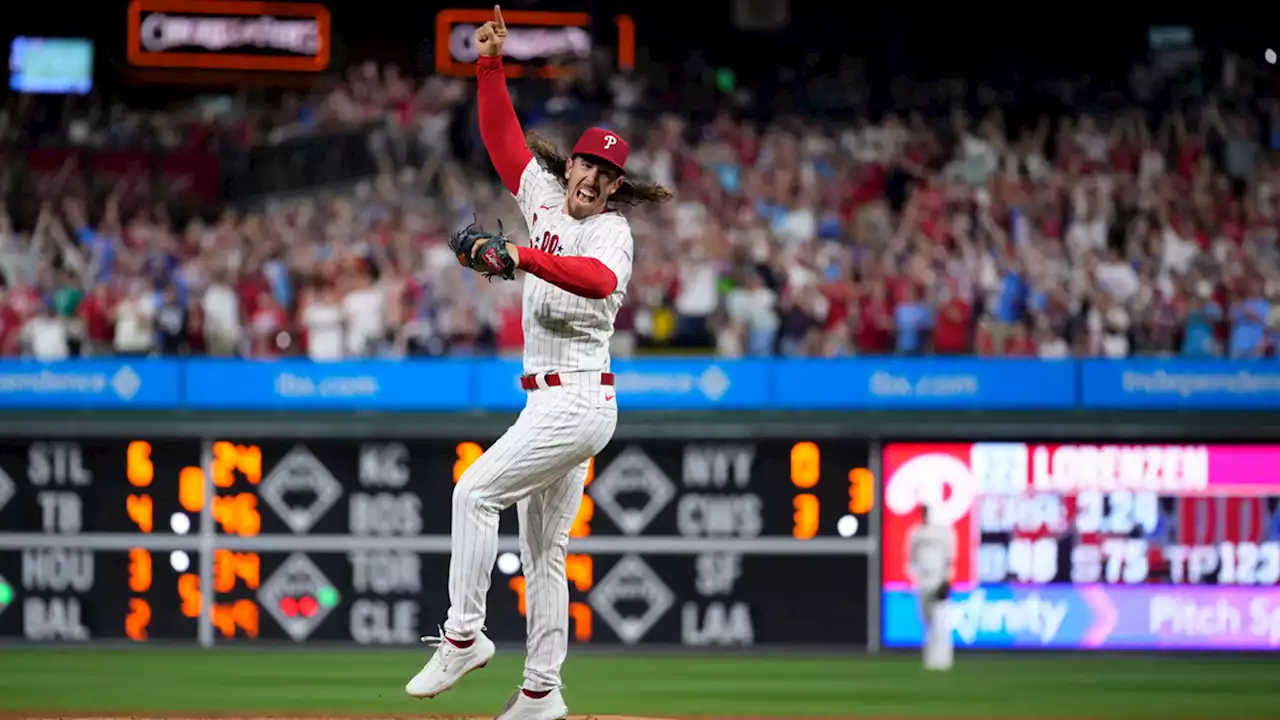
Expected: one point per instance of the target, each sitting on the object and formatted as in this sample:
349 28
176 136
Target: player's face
590 185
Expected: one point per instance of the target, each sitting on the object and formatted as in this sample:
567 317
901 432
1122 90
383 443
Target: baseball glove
943 592
491 258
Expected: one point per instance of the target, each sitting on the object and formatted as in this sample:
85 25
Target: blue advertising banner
1180 384
305 385
91 385
651 384
876 384
927 384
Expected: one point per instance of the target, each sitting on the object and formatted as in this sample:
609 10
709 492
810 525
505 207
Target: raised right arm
499 126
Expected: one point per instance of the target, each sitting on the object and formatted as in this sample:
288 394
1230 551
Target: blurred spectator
322 318
1099 231
363 314
134 320
172 323
45 336
752 325
221 309
1249 324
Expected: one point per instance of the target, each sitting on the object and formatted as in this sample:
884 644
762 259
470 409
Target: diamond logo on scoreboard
627 585
632 474
298 596
300 489
7 488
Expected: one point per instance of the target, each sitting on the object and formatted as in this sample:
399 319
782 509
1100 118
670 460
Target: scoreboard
233 540
1103 546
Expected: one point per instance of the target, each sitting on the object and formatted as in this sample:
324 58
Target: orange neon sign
229 35
454 55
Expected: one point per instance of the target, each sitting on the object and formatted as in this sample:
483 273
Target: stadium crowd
1106 235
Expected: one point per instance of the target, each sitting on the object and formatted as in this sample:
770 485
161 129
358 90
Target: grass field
258 682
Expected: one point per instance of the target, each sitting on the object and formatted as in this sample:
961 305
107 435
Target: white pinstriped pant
540 464
937 647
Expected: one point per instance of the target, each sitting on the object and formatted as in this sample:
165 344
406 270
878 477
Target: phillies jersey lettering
562 331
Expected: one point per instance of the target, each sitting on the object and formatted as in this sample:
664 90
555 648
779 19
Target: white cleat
522 707
449 664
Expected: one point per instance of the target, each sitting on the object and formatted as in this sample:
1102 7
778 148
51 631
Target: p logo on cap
603 144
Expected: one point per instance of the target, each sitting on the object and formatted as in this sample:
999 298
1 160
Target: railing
454 385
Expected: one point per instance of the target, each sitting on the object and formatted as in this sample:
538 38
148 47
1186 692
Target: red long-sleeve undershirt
504 140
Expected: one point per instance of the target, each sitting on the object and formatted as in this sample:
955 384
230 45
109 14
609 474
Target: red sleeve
499 126
583 276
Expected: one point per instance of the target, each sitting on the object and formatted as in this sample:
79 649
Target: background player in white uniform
577 267
931 553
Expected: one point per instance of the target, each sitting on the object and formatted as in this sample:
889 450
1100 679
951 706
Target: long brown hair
630 193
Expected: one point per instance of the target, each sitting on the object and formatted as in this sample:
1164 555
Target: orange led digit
804 465
189 592
223 621
191 489
139 510
240 615
238 514
250 518
249 569
862 486
224 464
249 460
582 521
228 566
138 466
580 613
139 570
468 452
517 585
245 615
580 570
136 622
224 571
806 517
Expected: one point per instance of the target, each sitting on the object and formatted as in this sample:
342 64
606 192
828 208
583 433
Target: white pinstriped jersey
931 550
562 331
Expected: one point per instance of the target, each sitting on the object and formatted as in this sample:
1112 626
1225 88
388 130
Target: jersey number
550 243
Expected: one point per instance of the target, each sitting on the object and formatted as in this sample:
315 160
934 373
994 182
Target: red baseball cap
604 144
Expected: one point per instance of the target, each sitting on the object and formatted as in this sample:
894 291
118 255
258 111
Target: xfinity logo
1033 615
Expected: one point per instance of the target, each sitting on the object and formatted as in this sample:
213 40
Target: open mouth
586 194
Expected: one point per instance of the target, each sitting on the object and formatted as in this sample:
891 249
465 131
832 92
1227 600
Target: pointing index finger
497 18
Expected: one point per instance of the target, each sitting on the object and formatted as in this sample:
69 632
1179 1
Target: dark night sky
1059 38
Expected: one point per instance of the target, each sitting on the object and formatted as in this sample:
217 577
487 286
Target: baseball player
577 266
931 552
